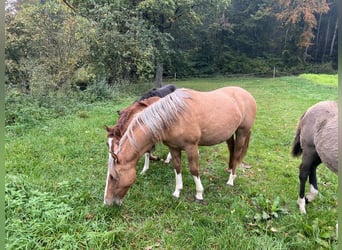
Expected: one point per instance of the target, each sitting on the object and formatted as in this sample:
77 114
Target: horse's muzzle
115 200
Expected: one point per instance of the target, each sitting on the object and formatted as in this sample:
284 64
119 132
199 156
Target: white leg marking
179 184
232 177
168 158
147 163
199 188
312 194
104 197
110 158
110 165
301 204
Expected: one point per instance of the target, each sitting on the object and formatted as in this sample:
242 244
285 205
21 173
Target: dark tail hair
296 148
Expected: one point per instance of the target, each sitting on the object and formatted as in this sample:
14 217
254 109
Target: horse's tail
296 148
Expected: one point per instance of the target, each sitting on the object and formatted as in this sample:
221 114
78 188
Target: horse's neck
143 143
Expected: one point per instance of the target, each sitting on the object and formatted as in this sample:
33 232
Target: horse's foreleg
192 154
310 161
179 184
176 157
146 164
303 176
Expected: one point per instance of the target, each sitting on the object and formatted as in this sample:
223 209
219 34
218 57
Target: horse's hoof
301 203
154 158
176 194
202 202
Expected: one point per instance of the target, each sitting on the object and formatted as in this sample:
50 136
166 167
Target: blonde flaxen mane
158 117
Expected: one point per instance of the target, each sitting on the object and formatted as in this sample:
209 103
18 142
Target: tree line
54 44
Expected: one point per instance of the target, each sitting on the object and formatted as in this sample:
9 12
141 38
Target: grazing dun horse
317 141
115 133
183 120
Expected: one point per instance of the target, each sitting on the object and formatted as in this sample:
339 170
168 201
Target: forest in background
74 44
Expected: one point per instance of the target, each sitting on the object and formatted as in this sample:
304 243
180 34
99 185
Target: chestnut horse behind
183 120
126 115
115 133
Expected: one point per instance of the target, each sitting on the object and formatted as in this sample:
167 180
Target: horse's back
217 114
228 101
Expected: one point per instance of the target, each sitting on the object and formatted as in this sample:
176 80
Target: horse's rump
326 142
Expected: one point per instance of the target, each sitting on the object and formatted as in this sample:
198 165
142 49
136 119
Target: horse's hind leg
239 152
310 161
153 157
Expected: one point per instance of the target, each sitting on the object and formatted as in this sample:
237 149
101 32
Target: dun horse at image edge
317 141
183 120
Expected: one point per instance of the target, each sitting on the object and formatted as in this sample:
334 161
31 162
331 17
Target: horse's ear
117 133
143 103
149 101
107 128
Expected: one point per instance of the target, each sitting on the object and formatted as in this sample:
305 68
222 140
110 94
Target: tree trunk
326 41
159 74
334 37
317 36
306 52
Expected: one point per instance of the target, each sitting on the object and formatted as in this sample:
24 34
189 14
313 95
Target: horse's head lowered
119 179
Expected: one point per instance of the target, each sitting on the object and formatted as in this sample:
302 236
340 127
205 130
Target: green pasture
324 79
56 172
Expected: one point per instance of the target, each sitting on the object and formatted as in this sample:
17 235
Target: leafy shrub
325 68
24 110
37 213
21 109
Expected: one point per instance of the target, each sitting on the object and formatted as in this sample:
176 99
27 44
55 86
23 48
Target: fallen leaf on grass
90 216
151 247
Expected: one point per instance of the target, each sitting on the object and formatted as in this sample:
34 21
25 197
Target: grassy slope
323 79
56 177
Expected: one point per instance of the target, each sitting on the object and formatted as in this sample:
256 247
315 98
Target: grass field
56 177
